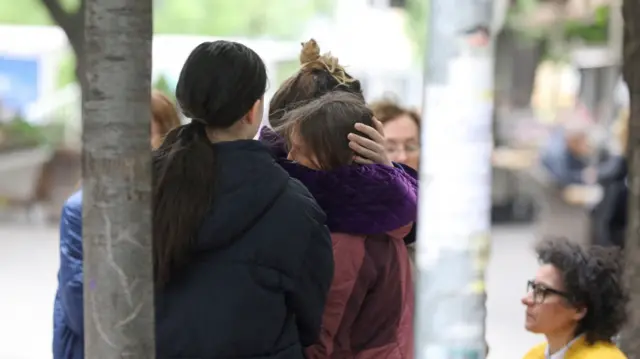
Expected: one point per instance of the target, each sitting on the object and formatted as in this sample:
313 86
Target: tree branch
69 22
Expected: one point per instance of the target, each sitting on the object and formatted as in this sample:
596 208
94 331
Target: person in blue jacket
68 310
68 318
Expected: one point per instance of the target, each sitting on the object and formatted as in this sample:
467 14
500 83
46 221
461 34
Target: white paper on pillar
455 204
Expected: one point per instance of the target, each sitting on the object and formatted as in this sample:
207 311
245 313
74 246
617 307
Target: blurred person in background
401 130
369 310
609 217
68 339
577 301
567 153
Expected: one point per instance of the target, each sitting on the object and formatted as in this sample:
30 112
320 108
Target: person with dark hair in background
243 260
609 217
68 318
577 301
369 310
319 75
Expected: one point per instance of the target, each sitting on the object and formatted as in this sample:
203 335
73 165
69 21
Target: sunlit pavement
29 261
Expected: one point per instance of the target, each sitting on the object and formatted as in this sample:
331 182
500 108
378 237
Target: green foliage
417 25
30 12
66 71
278 18
596 32
19 134
282 19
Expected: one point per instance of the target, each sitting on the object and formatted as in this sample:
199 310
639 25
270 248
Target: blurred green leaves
277 18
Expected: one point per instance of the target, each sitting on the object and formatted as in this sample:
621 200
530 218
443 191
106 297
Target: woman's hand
369 150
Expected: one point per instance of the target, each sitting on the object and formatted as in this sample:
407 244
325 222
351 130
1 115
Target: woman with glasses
576 301
401 130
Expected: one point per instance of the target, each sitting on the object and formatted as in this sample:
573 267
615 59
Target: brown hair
323 124
164 115
318 75
387 110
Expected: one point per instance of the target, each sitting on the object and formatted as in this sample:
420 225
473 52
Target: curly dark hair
593 278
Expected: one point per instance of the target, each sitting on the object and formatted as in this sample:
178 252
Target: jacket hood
359 199
249 181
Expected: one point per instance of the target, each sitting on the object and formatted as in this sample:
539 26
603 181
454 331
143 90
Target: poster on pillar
455 208
458 145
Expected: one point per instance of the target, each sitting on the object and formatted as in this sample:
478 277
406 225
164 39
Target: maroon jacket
369 309
370 209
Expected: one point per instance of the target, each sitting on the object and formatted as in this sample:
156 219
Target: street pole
116 165
455 181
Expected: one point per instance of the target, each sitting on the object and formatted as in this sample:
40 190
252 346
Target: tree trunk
631 57
118 275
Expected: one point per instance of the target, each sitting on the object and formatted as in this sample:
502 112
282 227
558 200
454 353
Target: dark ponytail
219 83
183 191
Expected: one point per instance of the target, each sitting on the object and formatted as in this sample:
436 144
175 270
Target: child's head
317 132
318 75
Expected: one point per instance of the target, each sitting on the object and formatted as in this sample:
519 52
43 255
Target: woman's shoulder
598 350
537 352
297 197
581 350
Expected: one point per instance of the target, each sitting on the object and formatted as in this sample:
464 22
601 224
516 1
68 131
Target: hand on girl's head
369 149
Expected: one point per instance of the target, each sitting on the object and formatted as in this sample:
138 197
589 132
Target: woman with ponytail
243 260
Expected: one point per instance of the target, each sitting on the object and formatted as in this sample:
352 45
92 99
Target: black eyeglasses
540 292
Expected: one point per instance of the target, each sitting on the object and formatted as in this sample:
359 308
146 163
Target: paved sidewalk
29 263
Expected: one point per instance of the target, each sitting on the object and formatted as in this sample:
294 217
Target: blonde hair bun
310 52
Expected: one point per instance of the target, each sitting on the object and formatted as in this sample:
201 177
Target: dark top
257 283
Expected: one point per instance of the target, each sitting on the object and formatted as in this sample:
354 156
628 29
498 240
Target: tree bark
118 270
631 71
72 23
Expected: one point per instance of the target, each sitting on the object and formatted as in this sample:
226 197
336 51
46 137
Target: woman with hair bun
317 76
370 209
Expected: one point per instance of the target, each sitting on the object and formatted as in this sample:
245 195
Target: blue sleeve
558 166
70 274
